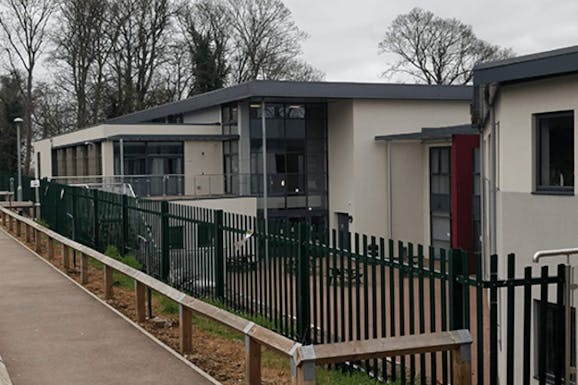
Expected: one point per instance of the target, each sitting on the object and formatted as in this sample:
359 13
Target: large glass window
157 167
555 152
296 159
230 117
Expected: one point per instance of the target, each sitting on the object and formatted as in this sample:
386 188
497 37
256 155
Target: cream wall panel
373 118
340 160
45 151
242 206
515 106
203 168
105 131
107 151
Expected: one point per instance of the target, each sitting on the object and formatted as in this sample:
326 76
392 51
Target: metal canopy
431 133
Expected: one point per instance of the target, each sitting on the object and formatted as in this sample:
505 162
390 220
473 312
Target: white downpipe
493 208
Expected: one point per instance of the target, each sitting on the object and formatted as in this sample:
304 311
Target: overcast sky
343 34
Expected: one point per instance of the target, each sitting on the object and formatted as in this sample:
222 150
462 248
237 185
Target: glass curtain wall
152 168
230 118
296 161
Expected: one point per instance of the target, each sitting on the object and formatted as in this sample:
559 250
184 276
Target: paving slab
52 332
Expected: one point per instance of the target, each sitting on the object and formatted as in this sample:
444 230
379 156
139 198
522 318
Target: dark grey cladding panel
273 90
545 64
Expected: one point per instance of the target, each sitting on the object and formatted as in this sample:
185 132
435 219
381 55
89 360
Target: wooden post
303 372
3 218
37 240
83 268
66 257
140 294
28 231
18 228
462 364
252 361
108 282
11 223
306 373
186 329
50 248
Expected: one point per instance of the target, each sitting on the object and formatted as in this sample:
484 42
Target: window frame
538 187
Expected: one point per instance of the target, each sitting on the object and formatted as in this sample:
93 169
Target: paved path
52 332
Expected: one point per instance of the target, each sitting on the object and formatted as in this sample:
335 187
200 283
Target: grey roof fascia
431 133
152 138
266 89
193 138
552 63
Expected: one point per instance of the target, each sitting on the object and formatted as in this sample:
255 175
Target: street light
18 122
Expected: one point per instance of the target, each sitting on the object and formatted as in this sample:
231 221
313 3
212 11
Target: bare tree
24 24
54 112
266 41
175 74
139 51
434 50
83 33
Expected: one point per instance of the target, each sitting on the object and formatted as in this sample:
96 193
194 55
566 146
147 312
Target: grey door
440 197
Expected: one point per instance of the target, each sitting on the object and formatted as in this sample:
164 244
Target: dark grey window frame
546 189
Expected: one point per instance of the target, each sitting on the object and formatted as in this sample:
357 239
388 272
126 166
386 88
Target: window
554 338
555 152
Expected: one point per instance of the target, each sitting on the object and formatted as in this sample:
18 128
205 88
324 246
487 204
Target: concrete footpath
52 332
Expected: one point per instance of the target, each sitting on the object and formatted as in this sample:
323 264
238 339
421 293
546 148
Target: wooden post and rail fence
304 358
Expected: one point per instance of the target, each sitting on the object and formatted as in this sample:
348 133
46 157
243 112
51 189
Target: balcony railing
136 185
206 185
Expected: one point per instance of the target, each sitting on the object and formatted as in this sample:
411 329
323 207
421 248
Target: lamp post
18 123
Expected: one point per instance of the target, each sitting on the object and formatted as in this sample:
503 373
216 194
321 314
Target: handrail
554 253
457 341
569 288
303 358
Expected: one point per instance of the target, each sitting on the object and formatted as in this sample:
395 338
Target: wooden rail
303 358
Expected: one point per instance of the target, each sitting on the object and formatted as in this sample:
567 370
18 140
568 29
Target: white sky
343 34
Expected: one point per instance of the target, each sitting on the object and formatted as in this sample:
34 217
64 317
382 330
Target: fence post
140 301
165 249
108 282
186 329
456 288
219 255
252 361
124 248
83 268
303 293
96 240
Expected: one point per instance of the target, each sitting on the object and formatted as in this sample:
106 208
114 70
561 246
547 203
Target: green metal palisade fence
305 285
9 182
